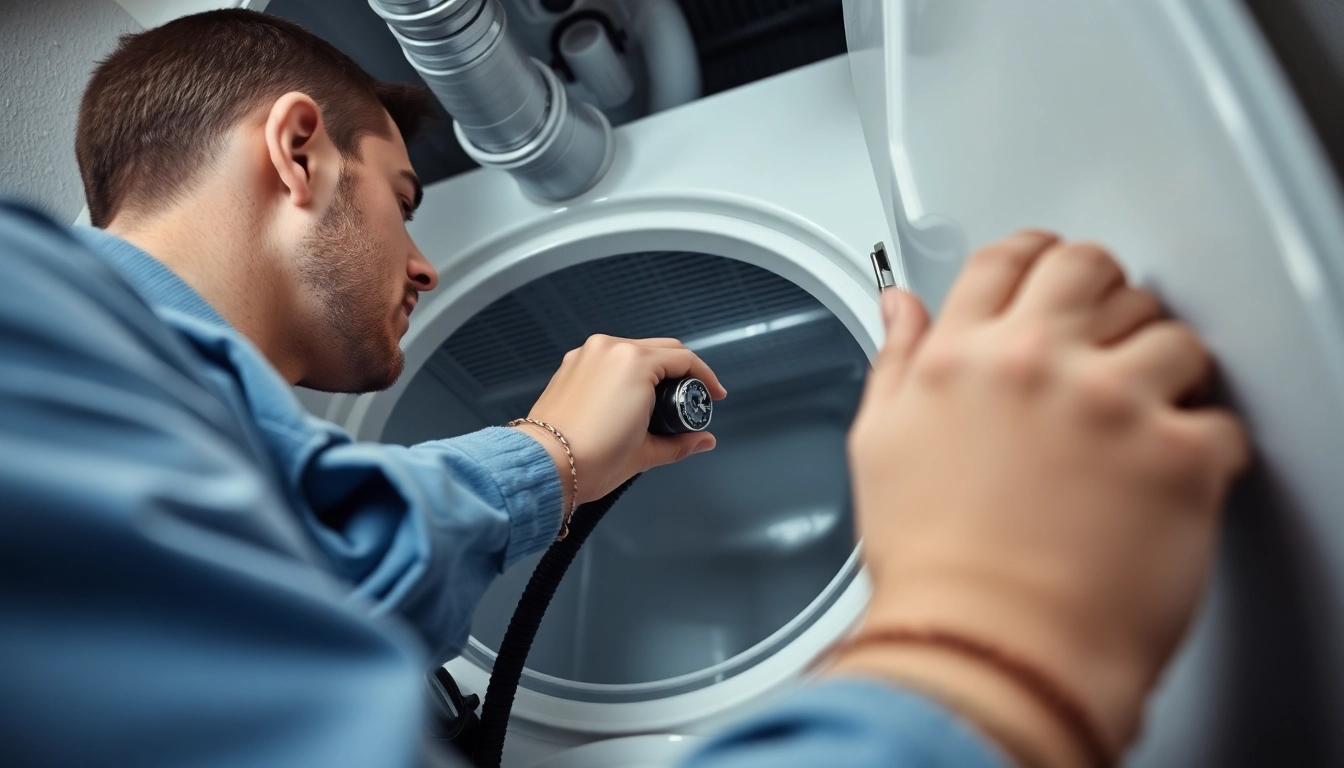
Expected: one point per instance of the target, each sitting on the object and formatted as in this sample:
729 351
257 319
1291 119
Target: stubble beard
341 265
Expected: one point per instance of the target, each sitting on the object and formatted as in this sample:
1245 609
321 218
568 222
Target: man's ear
300 149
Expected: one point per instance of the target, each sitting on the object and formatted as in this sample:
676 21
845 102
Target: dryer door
1167 131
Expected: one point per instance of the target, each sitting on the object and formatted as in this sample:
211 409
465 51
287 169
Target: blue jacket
194 571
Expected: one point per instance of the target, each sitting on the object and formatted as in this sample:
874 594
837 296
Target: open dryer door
1168 131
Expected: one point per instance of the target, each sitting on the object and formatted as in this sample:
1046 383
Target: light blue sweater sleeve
423 531
850 724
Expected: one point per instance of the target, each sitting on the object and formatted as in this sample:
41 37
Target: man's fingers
1071 276
907 322
1207 446
660 343
659 450
663 343
992 276
1168 359
1226 436
1124 312
671 360
676 363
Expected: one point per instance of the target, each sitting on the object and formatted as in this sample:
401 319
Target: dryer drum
722 560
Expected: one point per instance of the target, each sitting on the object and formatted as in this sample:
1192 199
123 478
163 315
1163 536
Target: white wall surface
47 50
152 13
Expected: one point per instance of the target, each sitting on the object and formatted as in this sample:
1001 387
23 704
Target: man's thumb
907 321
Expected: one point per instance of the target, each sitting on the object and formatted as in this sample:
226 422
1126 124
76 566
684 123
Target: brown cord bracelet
1063 706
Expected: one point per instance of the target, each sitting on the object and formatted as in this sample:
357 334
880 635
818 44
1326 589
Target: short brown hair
156 109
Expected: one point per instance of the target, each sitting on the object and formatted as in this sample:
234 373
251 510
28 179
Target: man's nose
421 272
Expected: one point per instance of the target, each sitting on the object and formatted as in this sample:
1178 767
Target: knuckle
1181 334
1185 347
939 364
627 353
1023 363
1034 233
1093 256
1102 396
598 341
996 255
1190 342
1173 343
1184 453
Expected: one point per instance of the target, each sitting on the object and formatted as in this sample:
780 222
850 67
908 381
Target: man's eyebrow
419 188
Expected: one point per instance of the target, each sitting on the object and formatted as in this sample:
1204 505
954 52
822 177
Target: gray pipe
592 57
509 111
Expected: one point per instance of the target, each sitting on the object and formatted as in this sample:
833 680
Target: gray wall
47 49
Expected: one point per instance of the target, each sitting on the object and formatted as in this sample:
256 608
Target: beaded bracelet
573 472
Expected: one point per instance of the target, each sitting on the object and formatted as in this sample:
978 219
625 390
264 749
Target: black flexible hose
499 695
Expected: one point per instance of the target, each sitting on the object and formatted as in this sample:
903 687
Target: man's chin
360 377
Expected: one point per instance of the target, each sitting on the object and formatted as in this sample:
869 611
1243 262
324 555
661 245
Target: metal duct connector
509 111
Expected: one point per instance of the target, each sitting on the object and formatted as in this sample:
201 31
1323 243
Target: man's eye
406 213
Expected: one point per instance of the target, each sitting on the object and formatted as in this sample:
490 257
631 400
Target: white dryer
743 223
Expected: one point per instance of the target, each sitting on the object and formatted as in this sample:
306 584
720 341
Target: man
197 572
253 184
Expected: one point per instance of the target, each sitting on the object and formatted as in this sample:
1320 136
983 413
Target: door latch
882 268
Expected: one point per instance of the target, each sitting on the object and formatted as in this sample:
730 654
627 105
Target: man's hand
601 400
1028 473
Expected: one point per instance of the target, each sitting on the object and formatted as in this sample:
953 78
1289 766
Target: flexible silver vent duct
509 111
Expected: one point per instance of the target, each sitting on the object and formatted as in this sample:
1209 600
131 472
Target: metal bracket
453 716
882 268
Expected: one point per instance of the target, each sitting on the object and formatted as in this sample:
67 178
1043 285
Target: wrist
1107 686
993 703
553 447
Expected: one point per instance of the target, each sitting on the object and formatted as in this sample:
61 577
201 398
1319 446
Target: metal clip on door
882 268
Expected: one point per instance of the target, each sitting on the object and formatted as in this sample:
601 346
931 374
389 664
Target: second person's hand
1035 472
601 400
